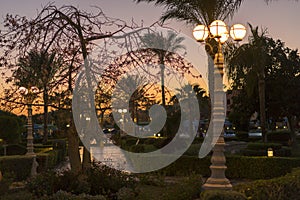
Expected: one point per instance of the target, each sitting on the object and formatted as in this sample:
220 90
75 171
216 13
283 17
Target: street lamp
218 30
122 112
29 95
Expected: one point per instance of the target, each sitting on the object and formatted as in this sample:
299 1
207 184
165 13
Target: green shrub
107 180
126 194
259 167
282 188
186 165
23 195
13 149
77 184
263 146
100 180
283 137
188 189
49 160
193 150
140 148
222 195
43 184
5 183
237 167
17 166
61 146
62 195
260 149
9 131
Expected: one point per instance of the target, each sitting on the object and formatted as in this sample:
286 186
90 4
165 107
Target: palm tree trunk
261 91
45 121
162 73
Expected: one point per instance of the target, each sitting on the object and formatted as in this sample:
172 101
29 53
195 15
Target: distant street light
122 112
218 31
29 95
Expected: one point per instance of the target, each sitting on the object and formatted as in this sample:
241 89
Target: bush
60 145
188 189
5 183
137 148
62 195
43 184
283 137
259 167
49 160
49 182
142 148
17 166
282 188
13 149
193 150
260 149
222 195
9 131
23 195
100 180
186 165
263 146
237 167
106 180
77 184
126 194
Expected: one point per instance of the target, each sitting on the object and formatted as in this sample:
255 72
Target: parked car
255 133
229 133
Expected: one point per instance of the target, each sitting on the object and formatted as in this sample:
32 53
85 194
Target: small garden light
270 152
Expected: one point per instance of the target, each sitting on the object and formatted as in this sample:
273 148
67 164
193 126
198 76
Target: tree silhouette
163 47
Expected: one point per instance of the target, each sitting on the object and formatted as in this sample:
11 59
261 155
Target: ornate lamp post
29 95
122 112
218 30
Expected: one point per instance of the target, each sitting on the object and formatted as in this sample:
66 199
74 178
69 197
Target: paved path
109 154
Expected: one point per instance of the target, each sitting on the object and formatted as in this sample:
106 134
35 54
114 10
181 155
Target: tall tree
247 64
199 12
38 69
163 47
70 33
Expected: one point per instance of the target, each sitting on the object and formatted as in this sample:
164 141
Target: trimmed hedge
13 149
237 167
283 137
188 188
9 131
222 195
19 167
282 188
260 149
49 160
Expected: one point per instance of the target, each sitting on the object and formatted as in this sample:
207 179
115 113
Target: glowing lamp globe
238 32
217 28
23 90
34 89
200 33
224 37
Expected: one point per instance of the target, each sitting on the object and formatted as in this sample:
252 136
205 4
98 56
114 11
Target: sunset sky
279 17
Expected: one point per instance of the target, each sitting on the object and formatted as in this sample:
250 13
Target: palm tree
246 65
199 12
38 69
164 47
